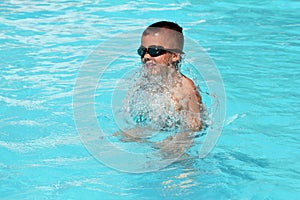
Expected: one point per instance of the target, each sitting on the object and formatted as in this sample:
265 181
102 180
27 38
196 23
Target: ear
176 57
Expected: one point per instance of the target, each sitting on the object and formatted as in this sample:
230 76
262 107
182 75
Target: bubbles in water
150 100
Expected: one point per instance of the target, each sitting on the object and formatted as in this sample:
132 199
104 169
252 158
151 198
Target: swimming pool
254 44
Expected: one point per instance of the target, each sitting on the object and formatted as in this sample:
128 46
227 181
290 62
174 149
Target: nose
146 58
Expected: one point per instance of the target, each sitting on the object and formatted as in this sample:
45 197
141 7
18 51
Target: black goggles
155 51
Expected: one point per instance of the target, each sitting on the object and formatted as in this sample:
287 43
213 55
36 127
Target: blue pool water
254 44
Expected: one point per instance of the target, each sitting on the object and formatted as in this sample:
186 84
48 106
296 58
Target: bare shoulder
187 82
189 86
187 90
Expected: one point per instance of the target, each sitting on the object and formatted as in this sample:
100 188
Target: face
162 38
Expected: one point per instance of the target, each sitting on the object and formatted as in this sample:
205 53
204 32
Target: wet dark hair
168 25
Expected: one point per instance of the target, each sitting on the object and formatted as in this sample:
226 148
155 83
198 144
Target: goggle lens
152 51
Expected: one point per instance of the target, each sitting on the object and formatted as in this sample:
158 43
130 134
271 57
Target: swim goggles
155 51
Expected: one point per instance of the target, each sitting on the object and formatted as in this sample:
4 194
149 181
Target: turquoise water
254 44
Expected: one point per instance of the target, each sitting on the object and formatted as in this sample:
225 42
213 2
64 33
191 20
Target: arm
135 134
170 148
194 108
191 104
